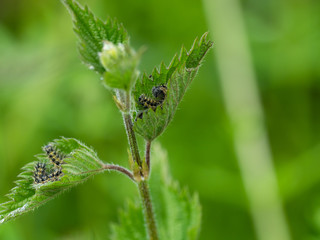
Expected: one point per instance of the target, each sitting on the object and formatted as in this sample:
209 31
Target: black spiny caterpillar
148 102
54 176
159 92
55 157
39 174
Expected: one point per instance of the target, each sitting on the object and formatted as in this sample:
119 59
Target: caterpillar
41 175
159 92
54 176
55 157
148 102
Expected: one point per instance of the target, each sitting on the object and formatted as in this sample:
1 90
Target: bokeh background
46 92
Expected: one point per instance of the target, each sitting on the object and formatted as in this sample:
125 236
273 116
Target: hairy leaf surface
92 31
176 77
80 162
178 214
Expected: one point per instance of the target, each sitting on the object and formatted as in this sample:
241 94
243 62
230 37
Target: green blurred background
45 92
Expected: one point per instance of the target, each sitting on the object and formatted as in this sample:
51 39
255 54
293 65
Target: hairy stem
130 133
148 212
132 139
143 185
119 169
148 146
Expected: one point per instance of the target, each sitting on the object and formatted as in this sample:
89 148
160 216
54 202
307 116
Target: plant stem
129 129
119 169
148 146
148 212
142 185
132 139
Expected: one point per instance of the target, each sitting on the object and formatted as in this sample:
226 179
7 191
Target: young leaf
178 214
120 62
151 121
92 31
79 163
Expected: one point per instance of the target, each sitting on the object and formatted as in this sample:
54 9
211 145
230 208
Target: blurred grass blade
177 77
92 31
80 163
241 95
177 213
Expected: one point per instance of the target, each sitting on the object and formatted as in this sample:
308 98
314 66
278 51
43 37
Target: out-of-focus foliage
45 92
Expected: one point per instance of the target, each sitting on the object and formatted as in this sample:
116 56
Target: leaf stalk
119 169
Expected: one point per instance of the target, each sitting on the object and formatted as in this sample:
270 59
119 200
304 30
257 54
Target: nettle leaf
178 214
92 31
79 163
150 123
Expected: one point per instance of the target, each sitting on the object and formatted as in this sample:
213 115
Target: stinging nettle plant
148 103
